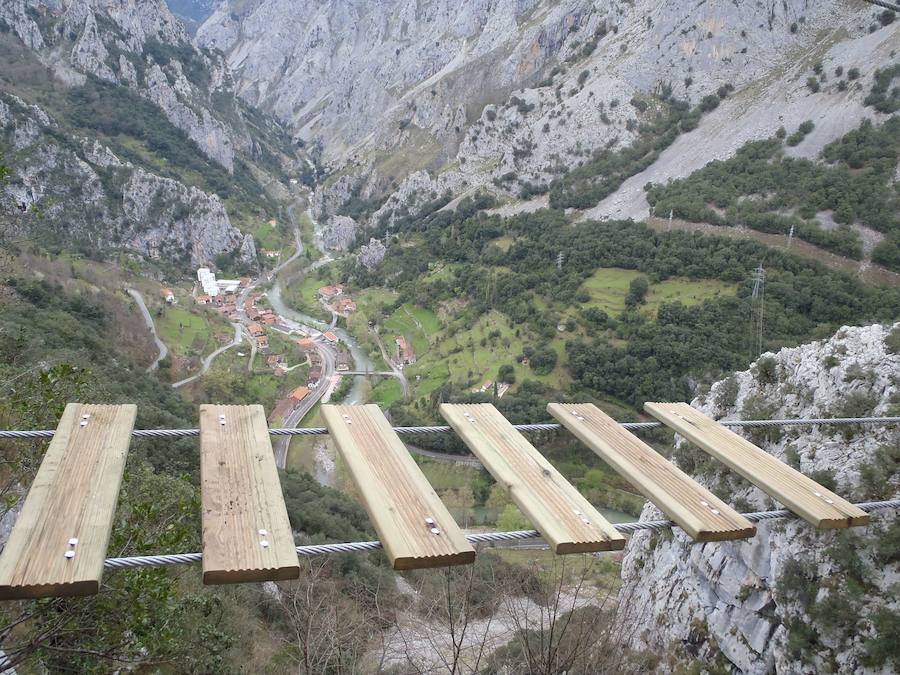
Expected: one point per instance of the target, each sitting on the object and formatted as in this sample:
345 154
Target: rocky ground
738 603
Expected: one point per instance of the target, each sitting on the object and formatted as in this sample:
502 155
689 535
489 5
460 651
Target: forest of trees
804 300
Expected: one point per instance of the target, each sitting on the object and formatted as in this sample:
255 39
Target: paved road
148 319
207 362
293 419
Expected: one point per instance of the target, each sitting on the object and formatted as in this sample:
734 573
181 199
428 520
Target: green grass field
463 359
415 323
386 392
608 288
303 293
185 332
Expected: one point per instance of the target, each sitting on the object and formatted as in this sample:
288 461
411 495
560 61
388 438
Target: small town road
148 319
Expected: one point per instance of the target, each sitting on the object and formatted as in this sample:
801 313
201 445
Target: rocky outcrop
339 232
370 255
79 194
792 599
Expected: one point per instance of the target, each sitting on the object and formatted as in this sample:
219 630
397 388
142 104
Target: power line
550 426
479 538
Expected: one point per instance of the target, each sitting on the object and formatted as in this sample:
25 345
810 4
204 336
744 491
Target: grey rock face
734 602
370 255
88 197
396 87
139 45
339 233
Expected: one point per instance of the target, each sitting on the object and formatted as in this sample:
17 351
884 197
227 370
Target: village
267 332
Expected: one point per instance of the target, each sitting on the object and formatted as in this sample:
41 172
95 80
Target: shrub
892 341
853 74
727 392
767 370
813 85
709 102
640 104
885 646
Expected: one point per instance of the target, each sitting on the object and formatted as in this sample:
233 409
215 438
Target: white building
228 285
207 282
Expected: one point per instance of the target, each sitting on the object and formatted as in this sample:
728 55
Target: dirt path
866 271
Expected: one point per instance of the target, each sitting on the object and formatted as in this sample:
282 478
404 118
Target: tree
637 291
511 519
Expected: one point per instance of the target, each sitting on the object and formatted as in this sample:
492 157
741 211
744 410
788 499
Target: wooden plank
395 492
800 494
58 544
246 532
565 519
695 509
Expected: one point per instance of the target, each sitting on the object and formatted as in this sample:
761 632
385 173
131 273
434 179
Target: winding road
148 319
207 362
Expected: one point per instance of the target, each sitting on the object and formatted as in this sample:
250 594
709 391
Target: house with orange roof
345 306
256 330
307 345
331 337
329 292
299 394
405 353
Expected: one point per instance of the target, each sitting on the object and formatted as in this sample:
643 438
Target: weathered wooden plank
413 524
800 494
695 509
565 519
246 532
58 544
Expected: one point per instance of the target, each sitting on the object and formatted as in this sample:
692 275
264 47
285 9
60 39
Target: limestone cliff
792 599
510 93
142 46
75 193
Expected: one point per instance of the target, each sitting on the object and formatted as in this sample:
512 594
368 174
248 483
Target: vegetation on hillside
763 189
584 186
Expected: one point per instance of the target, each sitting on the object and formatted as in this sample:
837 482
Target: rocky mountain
139 45
120 206
122 134
192 12
417 99
792 599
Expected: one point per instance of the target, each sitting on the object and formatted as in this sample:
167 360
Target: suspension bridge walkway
58 544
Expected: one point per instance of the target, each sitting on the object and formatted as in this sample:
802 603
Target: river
361 359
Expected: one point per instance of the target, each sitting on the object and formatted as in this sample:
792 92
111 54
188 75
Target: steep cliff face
141 46
73 192
506 94
792 598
